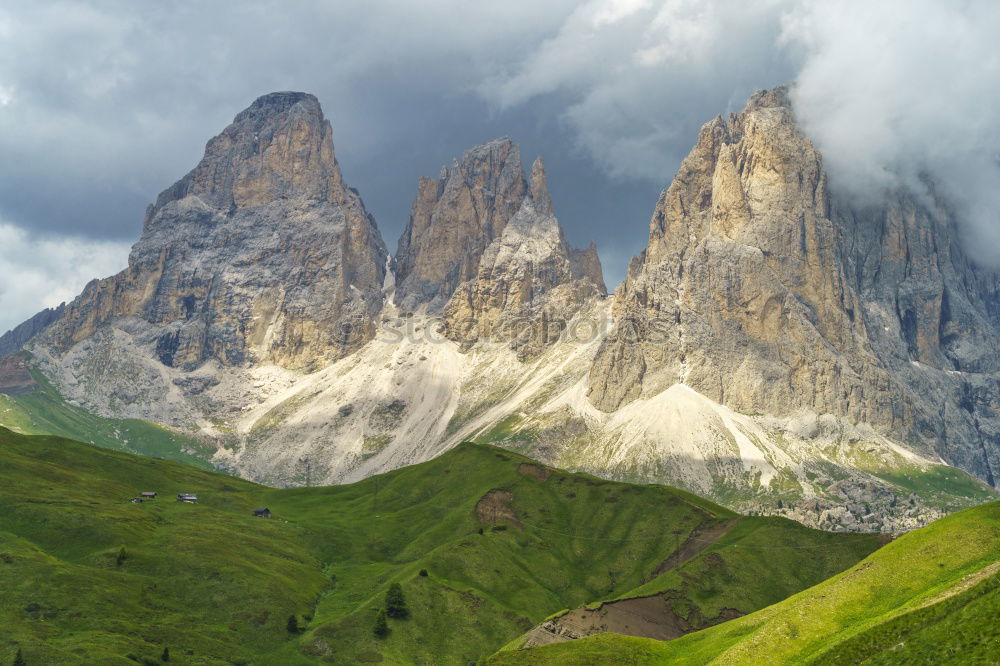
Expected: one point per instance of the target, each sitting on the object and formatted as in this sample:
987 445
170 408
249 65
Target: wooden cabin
187 497
262 513
147 495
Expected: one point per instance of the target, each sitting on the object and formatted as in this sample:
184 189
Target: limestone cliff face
766 293
260 254
530 282
454 219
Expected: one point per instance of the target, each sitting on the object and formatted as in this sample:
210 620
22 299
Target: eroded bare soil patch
495 507
649 617
534 471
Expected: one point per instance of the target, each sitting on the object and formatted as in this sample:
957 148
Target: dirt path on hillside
701 538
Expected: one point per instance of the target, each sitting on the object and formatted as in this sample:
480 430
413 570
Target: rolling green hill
930 597
484 543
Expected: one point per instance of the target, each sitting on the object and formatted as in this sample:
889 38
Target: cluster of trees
395 607
293 626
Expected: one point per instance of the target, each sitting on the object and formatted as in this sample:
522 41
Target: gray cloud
108 102
893 92
643 76
42 272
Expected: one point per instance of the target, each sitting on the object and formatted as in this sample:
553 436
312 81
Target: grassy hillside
930 597
484 543
44 411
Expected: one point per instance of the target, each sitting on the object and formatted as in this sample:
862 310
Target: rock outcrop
16 338
260 254
765 292
530 282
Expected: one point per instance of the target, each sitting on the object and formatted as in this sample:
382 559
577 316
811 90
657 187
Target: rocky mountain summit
763 291
260 254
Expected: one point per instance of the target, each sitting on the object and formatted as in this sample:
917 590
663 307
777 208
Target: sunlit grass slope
930 597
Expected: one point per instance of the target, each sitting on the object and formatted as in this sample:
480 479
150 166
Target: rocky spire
526 273
540 188
454 219
258 254
586 265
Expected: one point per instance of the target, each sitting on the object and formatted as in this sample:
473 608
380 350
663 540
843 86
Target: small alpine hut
262 513
188 498
147 495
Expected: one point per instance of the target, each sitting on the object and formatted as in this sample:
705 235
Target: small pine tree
19 659
395 603
381 627
293 624
166 654
122 555
781 505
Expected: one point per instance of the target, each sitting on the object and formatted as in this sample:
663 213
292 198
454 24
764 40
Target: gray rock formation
16 338
260 254
766 292
530 282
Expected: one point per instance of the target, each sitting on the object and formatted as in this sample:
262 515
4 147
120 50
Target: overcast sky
103 104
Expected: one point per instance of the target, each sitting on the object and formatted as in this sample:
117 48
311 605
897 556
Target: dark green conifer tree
381 627
395 603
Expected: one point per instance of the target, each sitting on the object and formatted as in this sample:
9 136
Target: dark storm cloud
104 104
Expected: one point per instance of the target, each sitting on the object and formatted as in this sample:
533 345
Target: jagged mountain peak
496 163
498 149
280 147
470 206
454 219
